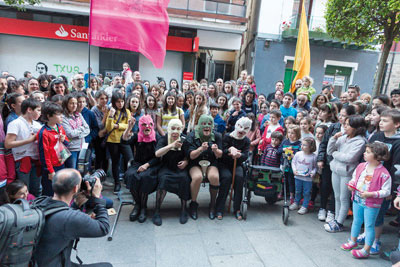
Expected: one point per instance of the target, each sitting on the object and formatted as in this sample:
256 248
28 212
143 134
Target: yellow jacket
115 136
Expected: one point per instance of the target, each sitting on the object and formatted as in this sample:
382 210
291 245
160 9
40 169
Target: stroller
266 182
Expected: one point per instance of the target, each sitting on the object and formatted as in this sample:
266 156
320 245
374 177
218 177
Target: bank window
338 76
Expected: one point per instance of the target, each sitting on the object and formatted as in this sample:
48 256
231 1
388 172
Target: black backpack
21 226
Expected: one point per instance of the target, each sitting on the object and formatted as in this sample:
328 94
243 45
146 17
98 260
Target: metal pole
89 44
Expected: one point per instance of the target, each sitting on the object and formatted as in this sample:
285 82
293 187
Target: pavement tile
249 259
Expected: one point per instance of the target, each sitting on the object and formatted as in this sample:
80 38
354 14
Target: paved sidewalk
261 240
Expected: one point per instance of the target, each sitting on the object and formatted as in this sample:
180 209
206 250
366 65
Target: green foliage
363 21
21 3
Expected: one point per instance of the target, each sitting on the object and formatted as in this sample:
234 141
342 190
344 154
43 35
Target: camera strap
76 251
119 117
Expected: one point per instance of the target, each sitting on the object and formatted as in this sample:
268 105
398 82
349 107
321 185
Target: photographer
63 227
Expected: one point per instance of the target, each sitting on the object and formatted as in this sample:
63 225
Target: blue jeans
363 214
382 211
46 183
303 187
71 162
31 180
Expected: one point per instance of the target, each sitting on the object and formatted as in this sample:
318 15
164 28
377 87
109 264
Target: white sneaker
294 206
322 214
302 211
330 217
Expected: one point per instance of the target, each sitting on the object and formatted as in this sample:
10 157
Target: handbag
104 141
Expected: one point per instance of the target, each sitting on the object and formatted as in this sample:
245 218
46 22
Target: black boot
193 209
117 187
159 199
184 215
133 216
213 196
143 210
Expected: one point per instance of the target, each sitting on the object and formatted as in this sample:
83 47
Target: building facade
270 45
203 41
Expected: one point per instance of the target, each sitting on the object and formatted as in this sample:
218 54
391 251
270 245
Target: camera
91 178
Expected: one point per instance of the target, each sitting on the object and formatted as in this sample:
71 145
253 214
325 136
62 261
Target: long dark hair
13 188
11 99
165 103
114 98
65 102
177 84
357 122
146 106
128 105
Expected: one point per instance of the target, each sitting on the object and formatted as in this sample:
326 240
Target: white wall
173 64
219 40
19 53
272 14
317 17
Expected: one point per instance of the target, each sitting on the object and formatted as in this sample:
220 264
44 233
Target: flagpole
89 45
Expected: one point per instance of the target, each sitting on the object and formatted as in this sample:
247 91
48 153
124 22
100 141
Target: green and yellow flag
302 57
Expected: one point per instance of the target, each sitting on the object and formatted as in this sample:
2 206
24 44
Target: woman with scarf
141 177
235 147
173 175
204 144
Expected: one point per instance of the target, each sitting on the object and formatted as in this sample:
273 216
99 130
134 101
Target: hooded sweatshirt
346 153
393 144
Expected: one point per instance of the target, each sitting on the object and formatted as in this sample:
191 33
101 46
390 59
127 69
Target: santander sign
73 33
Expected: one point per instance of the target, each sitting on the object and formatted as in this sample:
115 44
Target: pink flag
134 25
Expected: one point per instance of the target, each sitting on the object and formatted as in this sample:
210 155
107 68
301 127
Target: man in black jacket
64 227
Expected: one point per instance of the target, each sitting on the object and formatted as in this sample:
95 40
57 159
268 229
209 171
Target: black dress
170 177
146 181
195 143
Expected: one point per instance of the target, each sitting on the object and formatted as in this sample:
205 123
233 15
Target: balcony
221 11
316 32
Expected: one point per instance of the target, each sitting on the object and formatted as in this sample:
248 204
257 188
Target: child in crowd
274 105
389 134
254 133
21 138
199 108
12 109
304 166
305 127
307 87
314 113
271 155
263 112
287 122
219 123
373 120
235 114
300 115
288 149
327 115
75 127
286 108
371 183
346 150
48 137
271 127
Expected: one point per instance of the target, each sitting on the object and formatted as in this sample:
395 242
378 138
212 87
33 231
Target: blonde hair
296 129
308 78
367 96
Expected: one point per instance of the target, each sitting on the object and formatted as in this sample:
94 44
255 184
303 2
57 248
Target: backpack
21 226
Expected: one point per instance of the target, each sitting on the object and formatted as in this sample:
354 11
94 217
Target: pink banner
134 25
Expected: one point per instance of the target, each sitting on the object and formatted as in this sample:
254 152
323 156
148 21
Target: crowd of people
343 149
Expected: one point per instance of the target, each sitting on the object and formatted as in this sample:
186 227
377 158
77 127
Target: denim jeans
382 211
46 183
303 188
363 214
31 180
71 162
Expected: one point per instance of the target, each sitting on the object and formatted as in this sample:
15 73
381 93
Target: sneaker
333 227
361 239
376 248
348 246
302 211
330 217
322 215
359 253
294 206
107 183
386 254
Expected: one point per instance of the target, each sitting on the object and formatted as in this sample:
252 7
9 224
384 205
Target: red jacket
266 141
47 139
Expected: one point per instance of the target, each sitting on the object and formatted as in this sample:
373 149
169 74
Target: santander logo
61 32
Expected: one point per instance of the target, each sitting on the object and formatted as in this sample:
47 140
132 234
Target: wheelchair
266 182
